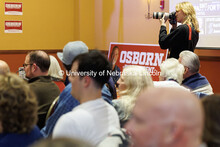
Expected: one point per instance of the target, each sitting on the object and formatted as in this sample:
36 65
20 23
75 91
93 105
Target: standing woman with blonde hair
132 81
184 36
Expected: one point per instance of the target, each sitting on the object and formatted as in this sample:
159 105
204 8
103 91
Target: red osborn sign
148 55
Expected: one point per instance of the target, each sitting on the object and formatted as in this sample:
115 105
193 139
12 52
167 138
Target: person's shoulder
116 101
67 125
68 118
113 110
35 133
170 84
79 111
66 90
66 101
115 139
68 86
183 27
41 80
102 104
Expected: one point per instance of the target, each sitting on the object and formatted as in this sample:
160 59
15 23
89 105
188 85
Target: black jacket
178 40
46 91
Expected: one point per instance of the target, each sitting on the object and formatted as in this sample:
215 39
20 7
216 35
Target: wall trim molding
26 51
203 54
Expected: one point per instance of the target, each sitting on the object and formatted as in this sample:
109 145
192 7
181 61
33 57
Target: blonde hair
172 69
136 78
54 69
190 13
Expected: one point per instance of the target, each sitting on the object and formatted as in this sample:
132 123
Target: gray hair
190 60
172 69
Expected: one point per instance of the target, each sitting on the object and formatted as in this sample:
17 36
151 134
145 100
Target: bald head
172 117
4 68
173 103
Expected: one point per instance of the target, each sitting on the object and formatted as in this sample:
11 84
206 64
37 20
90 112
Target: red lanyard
190 32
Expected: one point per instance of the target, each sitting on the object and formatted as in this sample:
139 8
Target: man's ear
173 132
34 67
186 70
86 81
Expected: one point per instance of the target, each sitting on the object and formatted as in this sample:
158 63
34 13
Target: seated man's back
94 118
65 104
198 83
46 91
91 121
36 67
192 78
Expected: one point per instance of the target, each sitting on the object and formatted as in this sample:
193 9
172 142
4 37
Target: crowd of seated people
166 113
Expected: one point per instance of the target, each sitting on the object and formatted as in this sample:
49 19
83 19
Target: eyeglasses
24 65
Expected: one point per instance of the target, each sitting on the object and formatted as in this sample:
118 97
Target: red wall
16 59
210 63
211 70
210 66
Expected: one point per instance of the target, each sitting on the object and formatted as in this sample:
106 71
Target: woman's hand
163 21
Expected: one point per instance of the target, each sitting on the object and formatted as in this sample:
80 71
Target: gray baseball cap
71 50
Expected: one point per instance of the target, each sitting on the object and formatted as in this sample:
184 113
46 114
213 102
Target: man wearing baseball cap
70 51
66 101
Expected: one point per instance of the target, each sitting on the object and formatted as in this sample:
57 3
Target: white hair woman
132 81
55 73
171 69
171 74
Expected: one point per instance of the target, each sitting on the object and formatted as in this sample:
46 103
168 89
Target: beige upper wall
86 23
47 24
124 21
51 24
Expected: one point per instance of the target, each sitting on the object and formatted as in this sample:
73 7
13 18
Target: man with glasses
36 67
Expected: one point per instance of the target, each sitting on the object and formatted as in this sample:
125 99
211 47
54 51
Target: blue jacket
195 81
198 84
20 140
